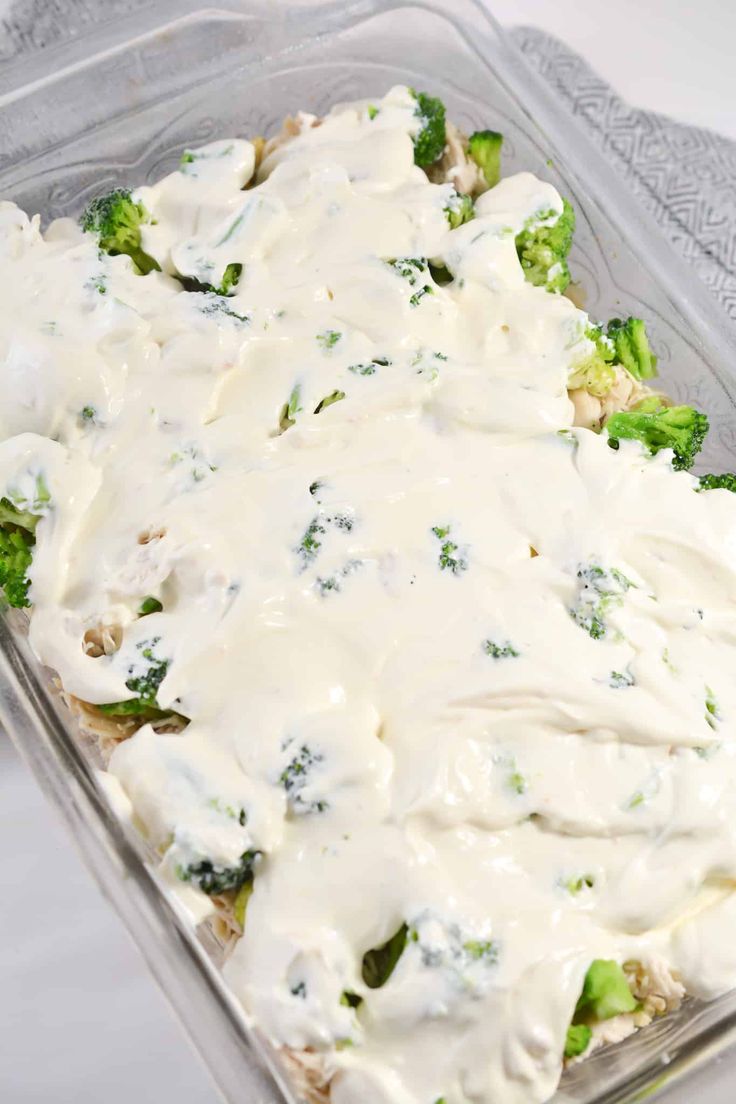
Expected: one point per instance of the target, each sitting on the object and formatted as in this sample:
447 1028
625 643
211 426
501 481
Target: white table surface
81 1021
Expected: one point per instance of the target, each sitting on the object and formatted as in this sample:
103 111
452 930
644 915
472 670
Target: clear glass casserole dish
117 106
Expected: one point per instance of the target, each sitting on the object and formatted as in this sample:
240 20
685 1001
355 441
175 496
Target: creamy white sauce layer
387 592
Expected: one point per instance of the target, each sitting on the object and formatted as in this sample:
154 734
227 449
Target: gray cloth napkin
684 175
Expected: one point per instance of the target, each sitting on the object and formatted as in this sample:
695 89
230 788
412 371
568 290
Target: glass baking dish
116 106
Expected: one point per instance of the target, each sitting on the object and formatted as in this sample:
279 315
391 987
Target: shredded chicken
591 412
290 128
658 991
105 733
455 167
225 928
653 983
305 1070
102 640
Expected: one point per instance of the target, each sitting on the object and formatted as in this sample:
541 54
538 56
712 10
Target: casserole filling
377 568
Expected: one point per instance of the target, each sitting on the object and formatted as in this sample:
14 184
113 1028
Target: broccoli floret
149 605
430 141
459 209
605 994
594 373
484 146
240 904
623 343
380 963
116 220
543 250
145 686
577 1039
726 482
680 428
328 400
452 557
229 281
600 592
577 883
368 368
328 339
496 650
411 268
290 409
213 879
295 778
216 306
632 347
17 538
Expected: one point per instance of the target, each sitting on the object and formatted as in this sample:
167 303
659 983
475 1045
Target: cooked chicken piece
592 412
659 992
290 128
306 1070
455 167
587 408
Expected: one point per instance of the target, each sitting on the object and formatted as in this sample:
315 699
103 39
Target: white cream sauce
448 787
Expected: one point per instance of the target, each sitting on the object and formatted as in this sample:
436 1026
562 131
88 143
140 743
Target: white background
81 1022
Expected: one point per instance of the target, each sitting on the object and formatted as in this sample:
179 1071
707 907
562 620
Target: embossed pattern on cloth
684 175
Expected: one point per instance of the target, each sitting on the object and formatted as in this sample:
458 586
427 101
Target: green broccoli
290 409
605 994
149 605
680 428
411 268
594 373
577 1039
459 209
543 249
430 141
216 306
600 591
623 343
116 220
213 879
295 777
17 538
229 281
328 400
380 963
576 883
144 686
726 482
631 346
240 904
484 146
451 557
328 339
368 368
500 651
